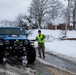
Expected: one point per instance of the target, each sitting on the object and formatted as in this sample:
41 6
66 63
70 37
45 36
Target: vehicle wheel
1 55
31 56
1 58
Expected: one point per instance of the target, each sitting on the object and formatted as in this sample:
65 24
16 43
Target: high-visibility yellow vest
39 39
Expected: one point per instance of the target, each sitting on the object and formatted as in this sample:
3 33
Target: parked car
15 44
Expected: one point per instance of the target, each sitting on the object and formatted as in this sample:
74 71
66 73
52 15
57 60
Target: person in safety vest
41 47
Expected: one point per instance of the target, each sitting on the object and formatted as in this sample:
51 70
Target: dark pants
41 48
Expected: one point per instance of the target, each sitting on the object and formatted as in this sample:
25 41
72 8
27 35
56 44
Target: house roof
58 20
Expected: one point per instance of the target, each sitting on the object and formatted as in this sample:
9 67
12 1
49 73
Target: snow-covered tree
70 13
74 15
40 9
22 21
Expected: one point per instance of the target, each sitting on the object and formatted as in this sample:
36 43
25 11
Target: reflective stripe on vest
39 38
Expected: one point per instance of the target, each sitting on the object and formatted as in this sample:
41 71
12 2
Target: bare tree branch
42 7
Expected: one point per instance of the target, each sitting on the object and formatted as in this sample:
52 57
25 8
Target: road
59 63
62 63
51 65
37 68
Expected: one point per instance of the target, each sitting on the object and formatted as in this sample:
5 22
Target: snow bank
66 48
15 71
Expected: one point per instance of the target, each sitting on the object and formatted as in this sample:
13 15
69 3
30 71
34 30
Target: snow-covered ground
26 71
65 48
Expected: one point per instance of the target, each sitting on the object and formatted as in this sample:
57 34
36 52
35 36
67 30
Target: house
59 23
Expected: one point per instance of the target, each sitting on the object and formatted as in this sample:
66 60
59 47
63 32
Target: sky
64 48
10 9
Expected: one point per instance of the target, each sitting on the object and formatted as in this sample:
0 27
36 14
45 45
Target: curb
53 66
68 58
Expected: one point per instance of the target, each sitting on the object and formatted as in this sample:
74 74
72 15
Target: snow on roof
58 20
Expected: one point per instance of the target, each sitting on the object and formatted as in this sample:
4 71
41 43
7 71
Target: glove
41 38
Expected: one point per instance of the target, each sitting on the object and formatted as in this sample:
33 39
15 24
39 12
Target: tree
21 20
71 12
74 15
39 9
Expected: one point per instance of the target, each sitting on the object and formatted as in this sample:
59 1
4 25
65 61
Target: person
41 47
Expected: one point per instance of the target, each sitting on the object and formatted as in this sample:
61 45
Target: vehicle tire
1 59
31 56
1 54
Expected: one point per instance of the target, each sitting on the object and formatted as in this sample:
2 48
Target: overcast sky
10 9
